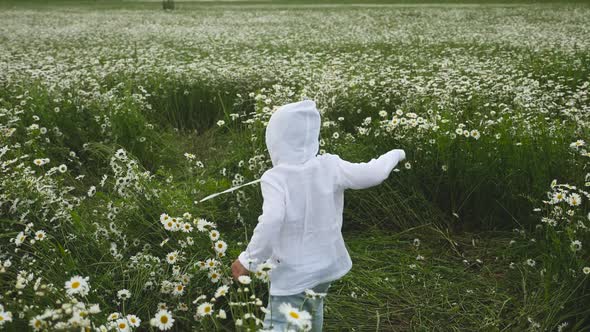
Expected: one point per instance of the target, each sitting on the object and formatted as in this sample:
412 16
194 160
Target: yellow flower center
75 284
37 323
294 314
122 325
207 309
164 319
1 318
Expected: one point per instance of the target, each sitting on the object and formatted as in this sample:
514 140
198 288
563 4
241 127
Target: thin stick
227 191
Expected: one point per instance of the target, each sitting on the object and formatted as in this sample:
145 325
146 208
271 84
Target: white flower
77 285
163 320
220 123
41 161
576 245
133 320
178 289
186 227
91 191
214 235
408 165
221 291
113 316
36 323
122 325
310 293
123 294
19 239
475 134
530 262
301 319
577 144
586 270
222 314
5 316
203 225
214 276
220 246
172 257
205 309
245 280
62 168
211 263
574 199
40 235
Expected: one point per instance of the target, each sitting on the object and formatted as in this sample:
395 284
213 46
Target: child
299 231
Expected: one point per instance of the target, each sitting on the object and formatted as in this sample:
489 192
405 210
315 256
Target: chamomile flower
205 309
19 239
77 285
299 318
123 294
211 263
113 316
133 320
91 191
186 227
574 199
122 325
221 291
220 246
163 320
214 276
178 289
214 235
221 314
245 280
5 316
36 323
40 235
576 245
172 257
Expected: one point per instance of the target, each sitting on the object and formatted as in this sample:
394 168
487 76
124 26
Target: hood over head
292 134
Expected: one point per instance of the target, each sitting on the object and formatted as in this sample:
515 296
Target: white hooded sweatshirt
299 230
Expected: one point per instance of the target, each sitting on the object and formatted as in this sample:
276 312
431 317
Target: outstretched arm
372 173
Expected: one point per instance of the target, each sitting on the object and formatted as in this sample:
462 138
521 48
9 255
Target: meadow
117 117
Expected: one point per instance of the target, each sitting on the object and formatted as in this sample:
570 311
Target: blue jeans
315 307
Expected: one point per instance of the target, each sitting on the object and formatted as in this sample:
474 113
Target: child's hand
237 269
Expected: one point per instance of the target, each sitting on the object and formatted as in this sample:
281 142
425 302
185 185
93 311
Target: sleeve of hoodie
268 228
369 174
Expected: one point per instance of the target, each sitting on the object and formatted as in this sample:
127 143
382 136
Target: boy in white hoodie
299 231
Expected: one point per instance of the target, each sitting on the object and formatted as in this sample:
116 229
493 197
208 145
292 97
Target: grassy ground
388 289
